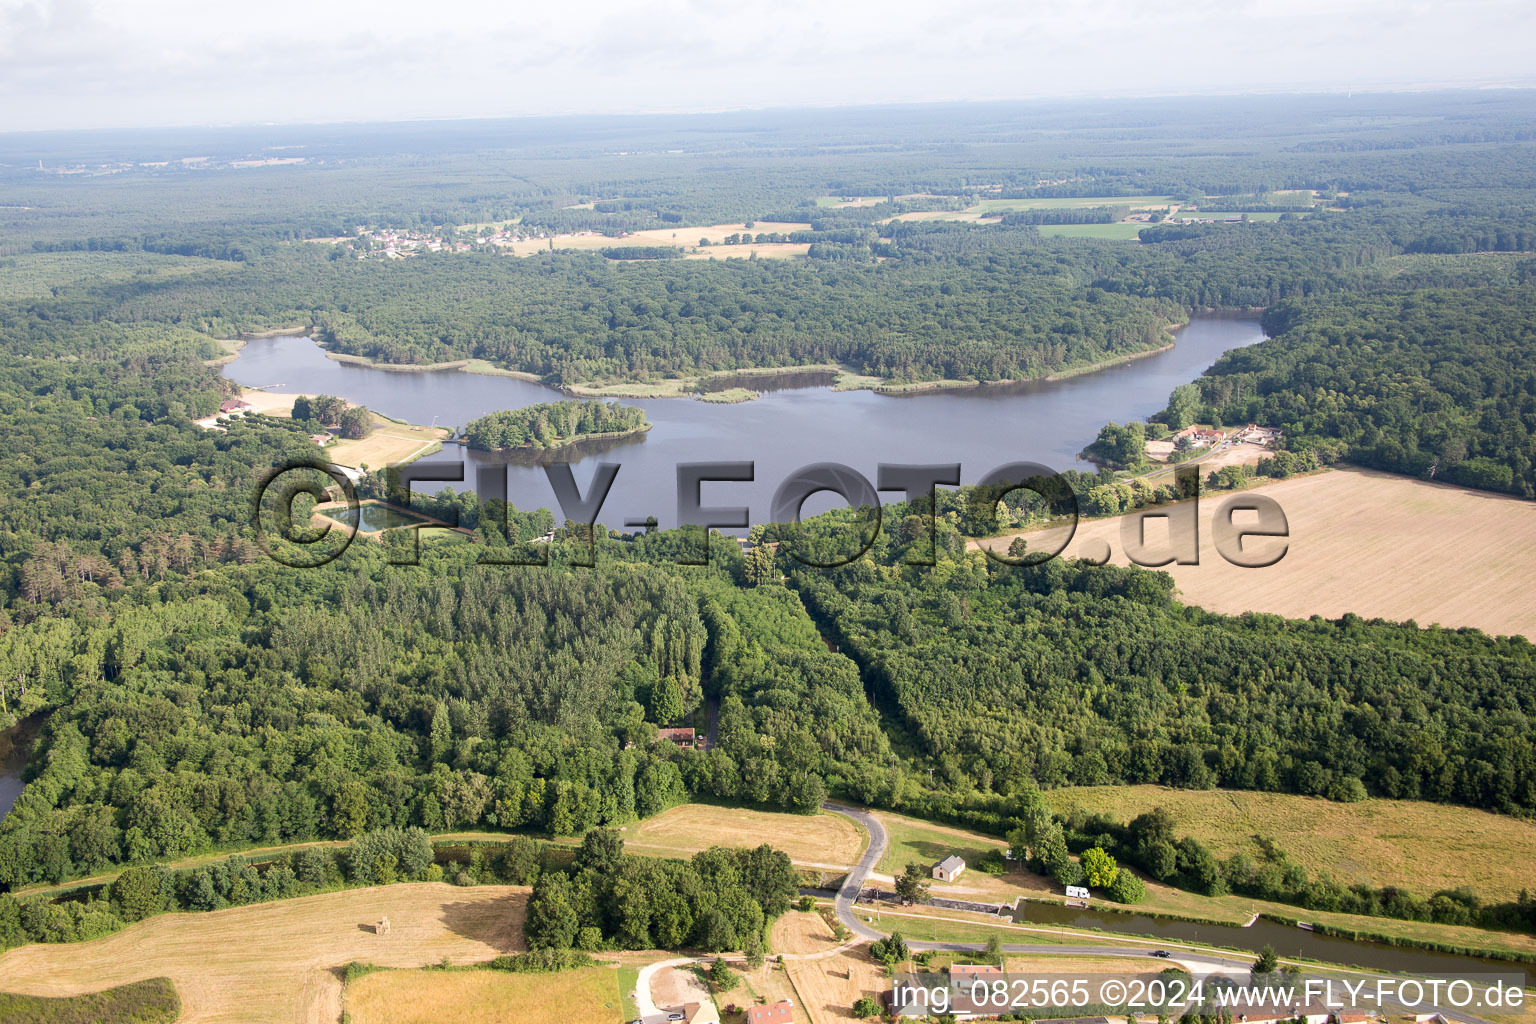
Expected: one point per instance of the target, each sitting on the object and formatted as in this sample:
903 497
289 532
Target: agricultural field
277 963
1001 206
801 932
390 444
1361 541
829 987
1423 847
684 238
811 840
587 996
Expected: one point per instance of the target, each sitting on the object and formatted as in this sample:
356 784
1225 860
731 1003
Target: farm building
699 1013
970 971
948 869
1313 1014
1255 434
781 1012
683 737
1199 437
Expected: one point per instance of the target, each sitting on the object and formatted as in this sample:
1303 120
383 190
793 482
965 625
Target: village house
1199 437
1312 1014
781 1012
699 1013
948 869
234 406
968 972
683 737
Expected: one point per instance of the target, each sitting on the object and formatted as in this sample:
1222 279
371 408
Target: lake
803 421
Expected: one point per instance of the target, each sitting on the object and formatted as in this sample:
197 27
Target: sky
130 63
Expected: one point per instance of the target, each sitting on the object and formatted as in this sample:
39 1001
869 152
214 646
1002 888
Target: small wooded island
554 425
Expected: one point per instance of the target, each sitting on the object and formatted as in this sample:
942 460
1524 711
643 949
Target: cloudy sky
97 63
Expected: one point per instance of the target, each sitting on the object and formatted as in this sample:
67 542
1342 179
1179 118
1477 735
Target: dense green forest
551 424
1434 384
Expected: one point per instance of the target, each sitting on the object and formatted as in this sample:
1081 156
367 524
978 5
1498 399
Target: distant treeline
1068 215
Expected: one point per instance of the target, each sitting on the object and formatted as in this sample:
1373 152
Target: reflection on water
373 517
805 422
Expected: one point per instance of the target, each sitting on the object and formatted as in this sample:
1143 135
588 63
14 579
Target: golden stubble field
279 963
811 840
685 238
587 996
1366 542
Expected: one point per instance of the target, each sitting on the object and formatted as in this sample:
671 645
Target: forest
1436 384
551 424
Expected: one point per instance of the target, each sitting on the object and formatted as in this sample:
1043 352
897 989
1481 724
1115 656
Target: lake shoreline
691 386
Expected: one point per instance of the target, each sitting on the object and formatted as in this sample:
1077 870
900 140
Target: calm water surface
806 422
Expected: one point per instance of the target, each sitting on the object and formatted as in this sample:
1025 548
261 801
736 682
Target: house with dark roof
948 869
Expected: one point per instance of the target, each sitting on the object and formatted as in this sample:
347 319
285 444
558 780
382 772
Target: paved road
854 884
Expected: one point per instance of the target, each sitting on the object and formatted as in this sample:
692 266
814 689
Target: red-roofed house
234 405
683 737
974 971
782 1012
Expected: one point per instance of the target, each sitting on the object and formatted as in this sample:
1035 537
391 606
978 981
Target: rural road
854 883
1195 963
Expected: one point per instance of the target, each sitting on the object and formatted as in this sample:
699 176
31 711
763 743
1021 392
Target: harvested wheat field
390 444
811 840
1378 545
1418 846
683 238
829 987
800 932
589 996
279 963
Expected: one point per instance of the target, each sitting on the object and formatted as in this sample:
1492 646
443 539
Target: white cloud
67 63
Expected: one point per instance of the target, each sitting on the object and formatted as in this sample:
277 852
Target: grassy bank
153 1001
